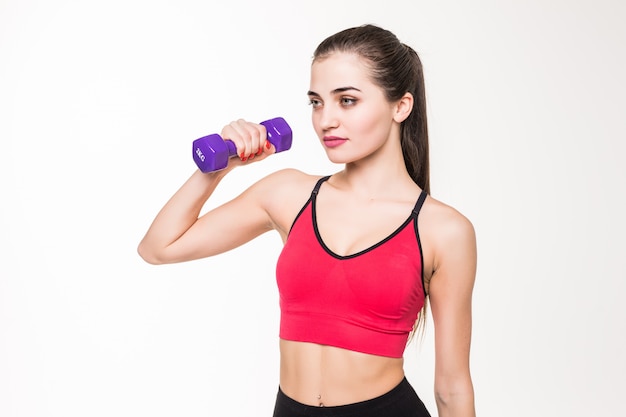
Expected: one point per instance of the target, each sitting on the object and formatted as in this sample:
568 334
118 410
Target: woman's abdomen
324 375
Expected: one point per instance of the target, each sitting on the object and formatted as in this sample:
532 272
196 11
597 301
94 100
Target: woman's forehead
339 69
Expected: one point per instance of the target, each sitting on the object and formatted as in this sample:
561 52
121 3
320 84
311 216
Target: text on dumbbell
200 154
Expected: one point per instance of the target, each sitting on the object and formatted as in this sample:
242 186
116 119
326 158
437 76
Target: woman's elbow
455 395
150 255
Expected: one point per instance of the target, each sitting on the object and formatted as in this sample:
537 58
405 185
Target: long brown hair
397 69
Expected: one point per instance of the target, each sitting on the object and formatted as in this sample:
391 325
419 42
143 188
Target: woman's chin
337 160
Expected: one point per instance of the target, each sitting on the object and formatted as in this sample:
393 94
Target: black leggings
401 401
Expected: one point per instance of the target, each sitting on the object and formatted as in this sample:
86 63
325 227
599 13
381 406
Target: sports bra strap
318 185
420 202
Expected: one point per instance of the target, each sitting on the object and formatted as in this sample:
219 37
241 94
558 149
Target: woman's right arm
178 234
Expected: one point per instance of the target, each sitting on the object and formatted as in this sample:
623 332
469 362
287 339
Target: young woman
364 247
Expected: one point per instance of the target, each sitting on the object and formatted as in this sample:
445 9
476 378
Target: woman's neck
375 179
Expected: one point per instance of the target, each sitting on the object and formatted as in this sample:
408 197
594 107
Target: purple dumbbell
211 153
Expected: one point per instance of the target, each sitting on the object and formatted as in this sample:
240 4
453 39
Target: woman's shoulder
285 188
283 194
289 181
445 226
291 177
441 212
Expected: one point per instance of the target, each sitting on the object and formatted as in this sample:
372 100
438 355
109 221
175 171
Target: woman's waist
317 374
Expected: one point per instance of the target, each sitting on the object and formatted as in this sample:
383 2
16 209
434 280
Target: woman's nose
329 118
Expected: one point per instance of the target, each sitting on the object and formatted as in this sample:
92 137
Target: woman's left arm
450 292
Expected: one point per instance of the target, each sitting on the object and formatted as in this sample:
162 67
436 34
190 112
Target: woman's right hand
250 140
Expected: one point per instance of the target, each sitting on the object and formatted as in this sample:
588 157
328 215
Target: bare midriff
322 375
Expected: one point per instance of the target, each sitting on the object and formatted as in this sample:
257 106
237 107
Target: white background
99 104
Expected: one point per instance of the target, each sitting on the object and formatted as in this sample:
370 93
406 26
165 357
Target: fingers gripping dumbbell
212 152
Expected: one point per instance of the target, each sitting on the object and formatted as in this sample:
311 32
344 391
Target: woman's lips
333 141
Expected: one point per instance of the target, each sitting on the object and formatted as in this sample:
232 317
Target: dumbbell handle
211 153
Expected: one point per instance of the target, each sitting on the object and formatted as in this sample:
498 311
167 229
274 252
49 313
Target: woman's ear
403 107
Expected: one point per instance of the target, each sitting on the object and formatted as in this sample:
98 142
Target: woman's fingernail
242 156
268 144
251 156
259 152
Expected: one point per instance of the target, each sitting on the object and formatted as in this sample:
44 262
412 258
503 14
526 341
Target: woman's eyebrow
335 91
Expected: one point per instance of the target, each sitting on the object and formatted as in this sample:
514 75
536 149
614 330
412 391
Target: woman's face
351 114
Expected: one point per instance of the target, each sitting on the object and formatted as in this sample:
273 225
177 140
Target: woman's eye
348 101
315 103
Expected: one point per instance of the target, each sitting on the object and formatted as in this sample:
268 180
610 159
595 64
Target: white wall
99 103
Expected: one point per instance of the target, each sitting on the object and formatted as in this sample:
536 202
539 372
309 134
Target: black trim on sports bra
420 202
416 212
412 216
316 189
314 192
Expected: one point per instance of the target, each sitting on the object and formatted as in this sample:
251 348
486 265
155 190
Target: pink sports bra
366 302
